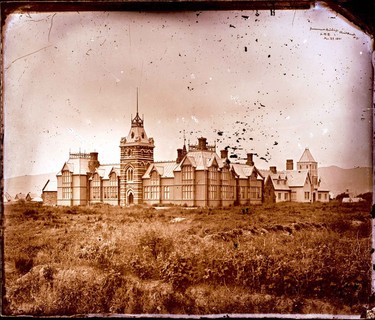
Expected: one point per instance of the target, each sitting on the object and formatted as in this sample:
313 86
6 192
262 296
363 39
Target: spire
137 121
307 156
137 100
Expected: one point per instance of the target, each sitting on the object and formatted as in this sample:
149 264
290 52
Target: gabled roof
164 169
105 170
76 166
50 186
201 160
297 178
281 176
20 196
307 156
292 178
31 195
116 170
7 197
244 171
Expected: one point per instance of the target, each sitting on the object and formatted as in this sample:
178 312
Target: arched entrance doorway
130 198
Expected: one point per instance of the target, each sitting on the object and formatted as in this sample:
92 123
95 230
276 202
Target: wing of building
300 185
198 177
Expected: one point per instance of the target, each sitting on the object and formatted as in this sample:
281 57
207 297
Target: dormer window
143 135
132 135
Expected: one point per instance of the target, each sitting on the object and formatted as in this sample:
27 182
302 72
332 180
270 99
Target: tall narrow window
187 173
129 174
95 187
225 184
67 184
113 186
187 182
166 193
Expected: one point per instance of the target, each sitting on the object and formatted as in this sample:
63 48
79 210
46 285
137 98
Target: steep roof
19 196
275 177
137 134
32 195
50 186
292 178
7 197
307 156
105 170
243 171
76 166
201 160
297 178
165 169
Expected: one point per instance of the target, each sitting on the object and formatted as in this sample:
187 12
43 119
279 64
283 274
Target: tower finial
184 137
137 100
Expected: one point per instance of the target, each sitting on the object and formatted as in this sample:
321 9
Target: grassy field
282 258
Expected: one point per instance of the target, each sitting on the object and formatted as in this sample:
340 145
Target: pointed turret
307 162
136 155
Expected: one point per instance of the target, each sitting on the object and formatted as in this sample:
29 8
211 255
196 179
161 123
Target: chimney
179 155
202 143
93 162
289 164
249 160
273 170
224 154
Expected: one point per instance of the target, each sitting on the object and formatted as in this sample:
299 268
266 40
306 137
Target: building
198 176
301 185
33 197
20 197
49 192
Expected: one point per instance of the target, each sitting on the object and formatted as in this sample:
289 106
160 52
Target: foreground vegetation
282 258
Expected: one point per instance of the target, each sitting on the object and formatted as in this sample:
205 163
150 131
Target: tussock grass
281 258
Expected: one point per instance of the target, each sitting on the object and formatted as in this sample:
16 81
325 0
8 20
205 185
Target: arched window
129 174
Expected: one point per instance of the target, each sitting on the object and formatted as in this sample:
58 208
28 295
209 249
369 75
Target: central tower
136 154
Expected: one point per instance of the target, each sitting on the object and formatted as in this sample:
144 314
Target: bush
179 271
155 244
24 264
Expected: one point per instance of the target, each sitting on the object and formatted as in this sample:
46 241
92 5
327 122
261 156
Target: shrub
155 244
24 264
179 271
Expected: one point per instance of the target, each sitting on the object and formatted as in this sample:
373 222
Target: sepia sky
271 85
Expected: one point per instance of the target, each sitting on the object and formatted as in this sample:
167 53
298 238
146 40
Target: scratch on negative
26 55
50 28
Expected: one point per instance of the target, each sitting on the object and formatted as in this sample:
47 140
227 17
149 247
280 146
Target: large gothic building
198 177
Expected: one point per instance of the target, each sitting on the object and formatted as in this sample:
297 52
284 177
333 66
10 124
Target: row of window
213 173
67 193
279 196
294 196
320 196
153 192
66 177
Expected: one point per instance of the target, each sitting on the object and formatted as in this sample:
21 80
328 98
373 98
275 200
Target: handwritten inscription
333 34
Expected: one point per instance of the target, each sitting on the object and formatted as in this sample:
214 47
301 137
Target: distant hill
26 184
338 180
